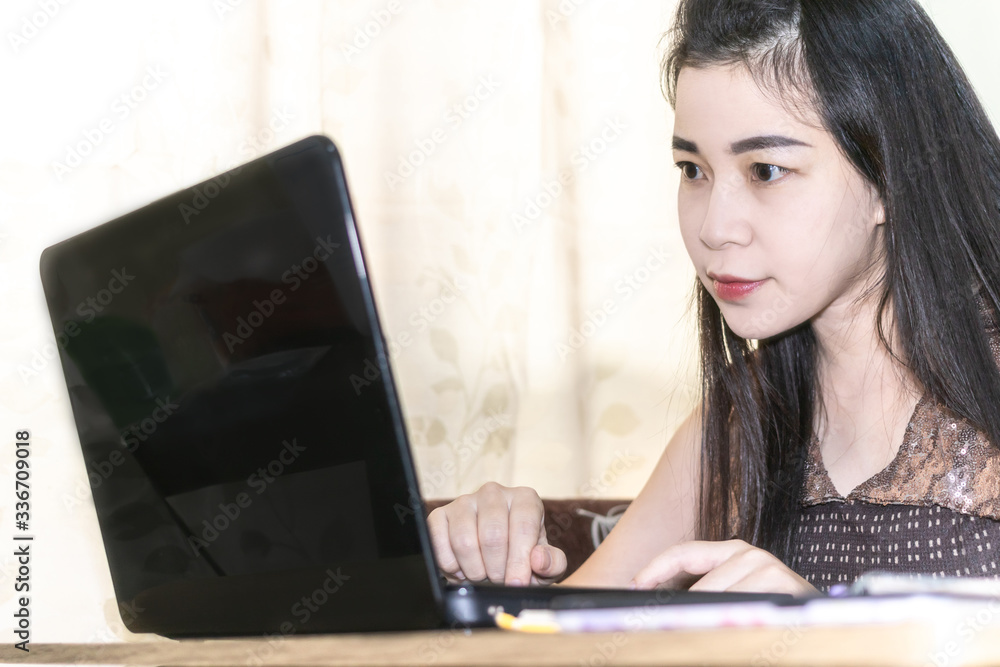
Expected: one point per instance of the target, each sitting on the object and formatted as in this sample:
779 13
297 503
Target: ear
879 208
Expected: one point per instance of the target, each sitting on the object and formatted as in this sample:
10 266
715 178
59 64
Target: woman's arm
663 514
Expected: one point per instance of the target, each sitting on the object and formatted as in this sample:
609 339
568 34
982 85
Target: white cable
602 524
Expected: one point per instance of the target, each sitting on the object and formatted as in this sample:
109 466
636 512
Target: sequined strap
942 461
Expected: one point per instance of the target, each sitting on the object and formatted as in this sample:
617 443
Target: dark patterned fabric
837 542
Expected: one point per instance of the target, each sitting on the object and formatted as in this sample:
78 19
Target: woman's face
767 198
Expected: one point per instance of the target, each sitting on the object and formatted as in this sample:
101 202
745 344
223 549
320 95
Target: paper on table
887 583
862 610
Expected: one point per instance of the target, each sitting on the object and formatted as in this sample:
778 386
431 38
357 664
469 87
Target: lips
734 288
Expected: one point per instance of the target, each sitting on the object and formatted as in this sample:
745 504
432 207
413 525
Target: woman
839 200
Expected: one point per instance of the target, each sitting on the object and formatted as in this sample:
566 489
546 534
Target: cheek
820 255
821 231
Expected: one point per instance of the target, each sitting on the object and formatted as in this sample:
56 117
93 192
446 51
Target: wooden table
926 645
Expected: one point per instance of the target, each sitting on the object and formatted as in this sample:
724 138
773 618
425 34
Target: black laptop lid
230 385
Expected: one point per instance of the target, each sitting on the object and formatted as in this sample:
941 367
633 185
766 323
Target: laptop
244 481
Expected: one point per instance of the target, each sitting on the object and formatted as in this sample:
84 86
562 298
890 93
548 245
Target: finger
456 578
680 561
770 576
493 516
437 526
547 561
738 570
463 535
525 530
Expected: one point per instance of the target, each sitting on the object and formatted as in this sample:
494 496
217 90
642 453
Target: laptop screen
223 362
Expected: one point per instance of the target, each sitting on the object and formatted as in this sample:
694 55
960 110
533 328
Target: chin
761 325
754 332
758 321
758 332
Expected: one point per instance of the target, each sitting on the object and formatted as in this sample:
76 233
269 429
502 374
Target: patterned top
934 510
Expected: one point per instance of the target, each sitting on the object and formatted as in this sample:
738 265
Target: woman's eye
690 170
767 173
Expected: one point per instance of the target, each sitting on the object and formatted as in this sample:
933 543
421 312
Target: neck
855 372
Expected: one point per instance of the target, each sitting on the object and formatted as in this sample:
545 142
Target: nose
725 219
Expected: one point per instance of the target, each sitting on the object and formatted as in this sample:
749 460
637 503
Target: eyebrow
744 145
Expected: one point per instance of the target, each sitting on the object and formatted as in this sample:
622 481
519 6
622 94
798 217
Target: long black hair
893 96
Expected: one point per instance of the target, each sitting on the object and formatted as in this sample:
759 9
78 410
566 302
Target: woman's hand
496 533
732 565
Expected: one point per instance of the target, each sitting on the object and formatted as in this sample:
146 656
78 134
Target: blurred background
511 173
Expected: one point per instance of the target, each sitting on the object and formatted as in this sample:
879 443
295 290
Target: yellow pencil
527 622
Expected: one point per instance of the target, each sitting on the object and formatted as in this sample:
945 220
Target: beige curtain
510 169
